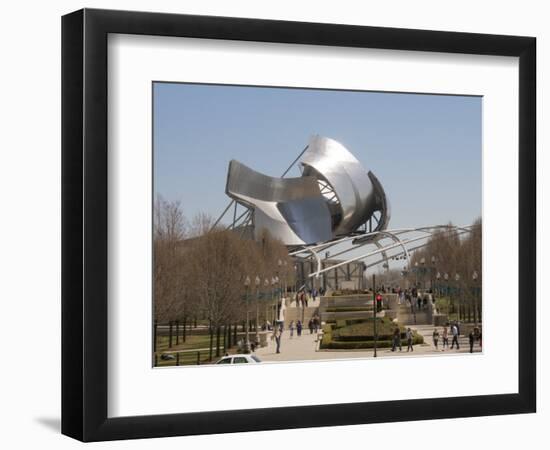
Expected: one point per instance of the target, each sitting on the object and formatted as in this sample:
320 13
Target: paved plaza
305 348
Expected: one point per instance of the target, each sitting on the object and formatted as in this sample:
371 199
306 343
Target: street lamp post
277 277
438 278
274 298
247 343
266 285
474 279
460 312
257 282
423 263
374 308
434 260
446 278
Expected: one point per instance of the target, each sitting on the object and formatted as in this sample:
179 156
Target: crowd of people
303 296
473 337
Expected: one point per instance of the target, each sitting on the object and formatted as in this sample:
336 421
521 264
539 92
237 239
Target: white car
239 359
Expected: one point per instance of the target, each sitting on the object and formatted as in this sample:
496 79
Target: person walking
471 337
299 328
310 326
445 339
454 331
277 334
396 339
291 327
435 337
409 336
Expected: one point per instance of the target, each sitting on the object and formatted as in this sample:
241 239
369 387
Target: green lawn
188 350
191 342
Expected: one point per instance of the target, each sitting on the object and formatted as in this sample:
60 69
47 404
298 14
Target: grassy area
191 342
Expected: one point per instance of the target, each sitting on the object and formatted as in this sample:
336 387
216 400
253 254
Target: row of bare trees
451 264
200 273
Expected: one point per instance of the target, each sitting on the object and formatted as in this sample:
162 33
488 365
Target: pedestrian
471 337
454 332
435 337
299 328
291 327
396 339
409 336
277 334
445 339
310 326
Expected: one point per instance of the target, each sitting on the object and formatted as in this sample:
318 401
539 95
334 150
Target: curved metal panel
334 196
329 160
292 209
382 203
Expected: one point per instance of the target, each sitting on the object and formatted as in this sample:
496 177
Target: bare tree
169 230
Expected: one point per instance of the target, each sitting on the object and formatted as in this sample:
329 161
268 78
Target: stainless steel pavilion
336 204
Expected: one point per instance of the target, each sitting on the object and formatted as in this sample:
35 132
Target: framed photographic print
273 224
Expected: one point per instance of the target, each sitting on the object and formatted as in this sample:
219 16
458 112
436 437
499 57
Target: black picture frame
84 224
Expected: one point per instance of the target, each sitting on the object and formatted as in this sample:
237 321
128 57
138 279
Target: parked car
239 359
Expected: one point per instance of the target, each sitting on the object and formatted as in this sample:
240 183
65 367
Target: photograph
302 224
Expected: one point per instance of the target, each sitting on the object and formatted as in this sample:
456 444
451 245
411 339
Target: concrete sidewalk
304 348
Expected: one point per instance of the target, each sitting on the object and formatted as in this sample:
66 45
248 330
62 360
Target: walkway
304 348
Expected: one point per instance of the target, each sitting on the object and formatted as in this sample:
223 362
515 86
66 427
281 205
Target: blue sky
425 149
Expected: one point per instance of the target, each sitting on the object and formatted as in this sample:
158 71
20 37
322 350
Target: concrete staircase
420 317
295 314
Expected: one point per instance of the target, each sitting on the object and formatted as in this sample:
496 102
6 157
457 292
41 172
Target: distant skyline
425 149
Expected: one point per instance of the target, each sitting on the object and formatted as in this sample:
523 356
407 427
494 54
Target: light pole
434 260
279 265
423 264
285 264
438 277
416 274
457 279
446 278
257 282
247 343
474 279
273 298
374 308
266 285
405 272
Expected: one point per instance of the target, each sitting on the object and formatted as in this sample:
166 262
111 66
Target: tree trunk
184 328
225 337
211 339
155 331
170 325
217 341
177 332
